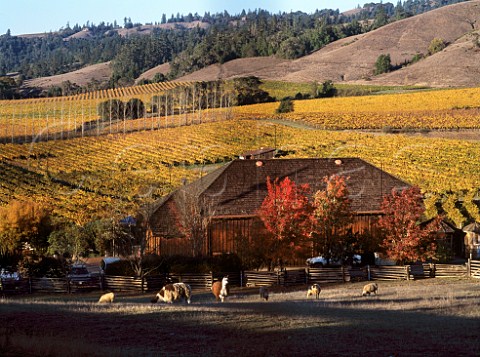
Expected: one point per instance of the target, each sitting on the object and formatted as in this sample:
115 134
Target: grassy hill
353 58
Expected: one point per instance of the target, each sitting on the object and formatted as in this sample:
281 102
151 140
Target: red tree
405 240
287 216
334 216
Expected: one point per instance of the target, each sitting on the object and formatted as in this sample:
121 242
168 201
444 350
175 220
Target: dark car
7 274
79 275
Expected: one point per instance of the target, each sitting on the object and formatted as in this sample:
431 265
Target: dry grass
420 318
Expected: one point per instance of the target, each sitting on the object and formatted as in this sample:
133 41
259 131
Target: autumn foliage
333 214
405 240
23 222
287 215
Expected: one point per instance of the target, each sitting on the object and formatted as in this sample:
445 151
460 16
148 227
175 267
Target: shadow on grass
297 327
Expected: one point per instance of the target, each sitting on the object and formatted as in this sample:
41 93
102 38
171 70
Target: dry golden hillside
353 58
100 72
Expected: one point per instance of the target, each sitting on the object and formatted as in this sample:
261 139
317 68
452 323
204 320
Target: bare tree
196 215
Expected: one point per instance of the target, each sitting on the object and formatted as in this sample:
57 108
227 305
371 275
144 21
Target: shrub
383 64
120 268
286 106
437 45
326 90
44 266
417 57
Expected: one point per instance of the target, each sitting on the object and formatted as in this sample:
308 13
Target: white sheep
107 298
370 288
264 292
315 290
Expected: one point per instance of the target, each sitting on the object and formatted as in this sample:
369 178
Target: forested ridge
224 37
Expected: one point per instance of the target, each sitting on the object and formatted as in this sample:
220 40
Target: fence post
307 275
369 276
469 267
408 271
343 273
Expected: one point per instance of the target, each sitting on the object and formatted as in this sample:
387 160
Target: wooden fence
474 268
388 273
452 271
292 277
327 275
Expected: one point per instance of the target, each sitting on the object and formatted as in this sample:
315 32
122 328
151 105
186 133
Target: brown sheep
370 288
172 292
264 292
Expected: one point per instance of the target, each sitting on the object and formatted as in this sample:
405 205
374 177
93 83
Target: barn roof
239 187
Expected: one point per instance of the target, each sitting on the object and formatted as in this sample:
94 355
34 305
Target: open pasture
416 318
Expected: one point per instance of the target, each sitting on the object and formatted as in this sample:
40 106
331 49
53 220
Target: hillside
349 60
99 72
353 58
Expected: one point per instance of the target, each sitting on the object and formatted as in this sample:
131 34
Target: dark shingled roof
239 187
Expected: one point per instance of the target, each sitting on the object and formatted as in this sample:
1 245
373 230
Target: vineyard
442 109
96 172
48 154
60 118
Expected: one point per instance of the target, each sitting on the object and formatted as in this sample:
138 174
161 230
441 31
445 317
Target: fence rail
474 269
292 277
327 275
389 273
451 271
196 281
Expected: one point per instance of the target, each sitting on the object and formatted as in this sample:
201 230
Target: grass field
438 317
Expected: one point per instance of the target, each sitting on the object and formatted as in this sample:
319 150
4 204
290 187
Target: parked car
8 274
320 261
79 275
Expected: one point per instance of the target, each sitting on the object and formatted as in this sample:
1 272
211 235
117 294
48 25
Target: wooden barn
226 201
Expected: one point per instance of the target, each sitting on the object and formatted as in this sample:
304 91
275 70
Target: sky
39 16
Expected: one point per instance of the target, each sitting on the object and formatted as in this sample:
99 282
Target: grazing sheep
108 297
314 290
370 288
173 292
264 293
220 289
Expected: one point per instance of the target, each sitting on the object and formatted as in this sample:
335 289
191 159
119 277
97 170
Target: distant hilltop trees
223 38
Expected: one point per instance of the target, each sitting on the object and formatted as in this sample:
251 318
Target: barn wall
363 223
224 235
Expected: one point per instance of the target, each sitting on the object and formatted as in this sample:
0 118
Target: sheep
173 292
370 288
108 297
314 290
264 293
220 289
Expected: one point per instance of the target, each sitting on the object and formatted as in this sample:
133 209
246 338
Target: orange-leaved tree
24 222
287 215
334 216
405 239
